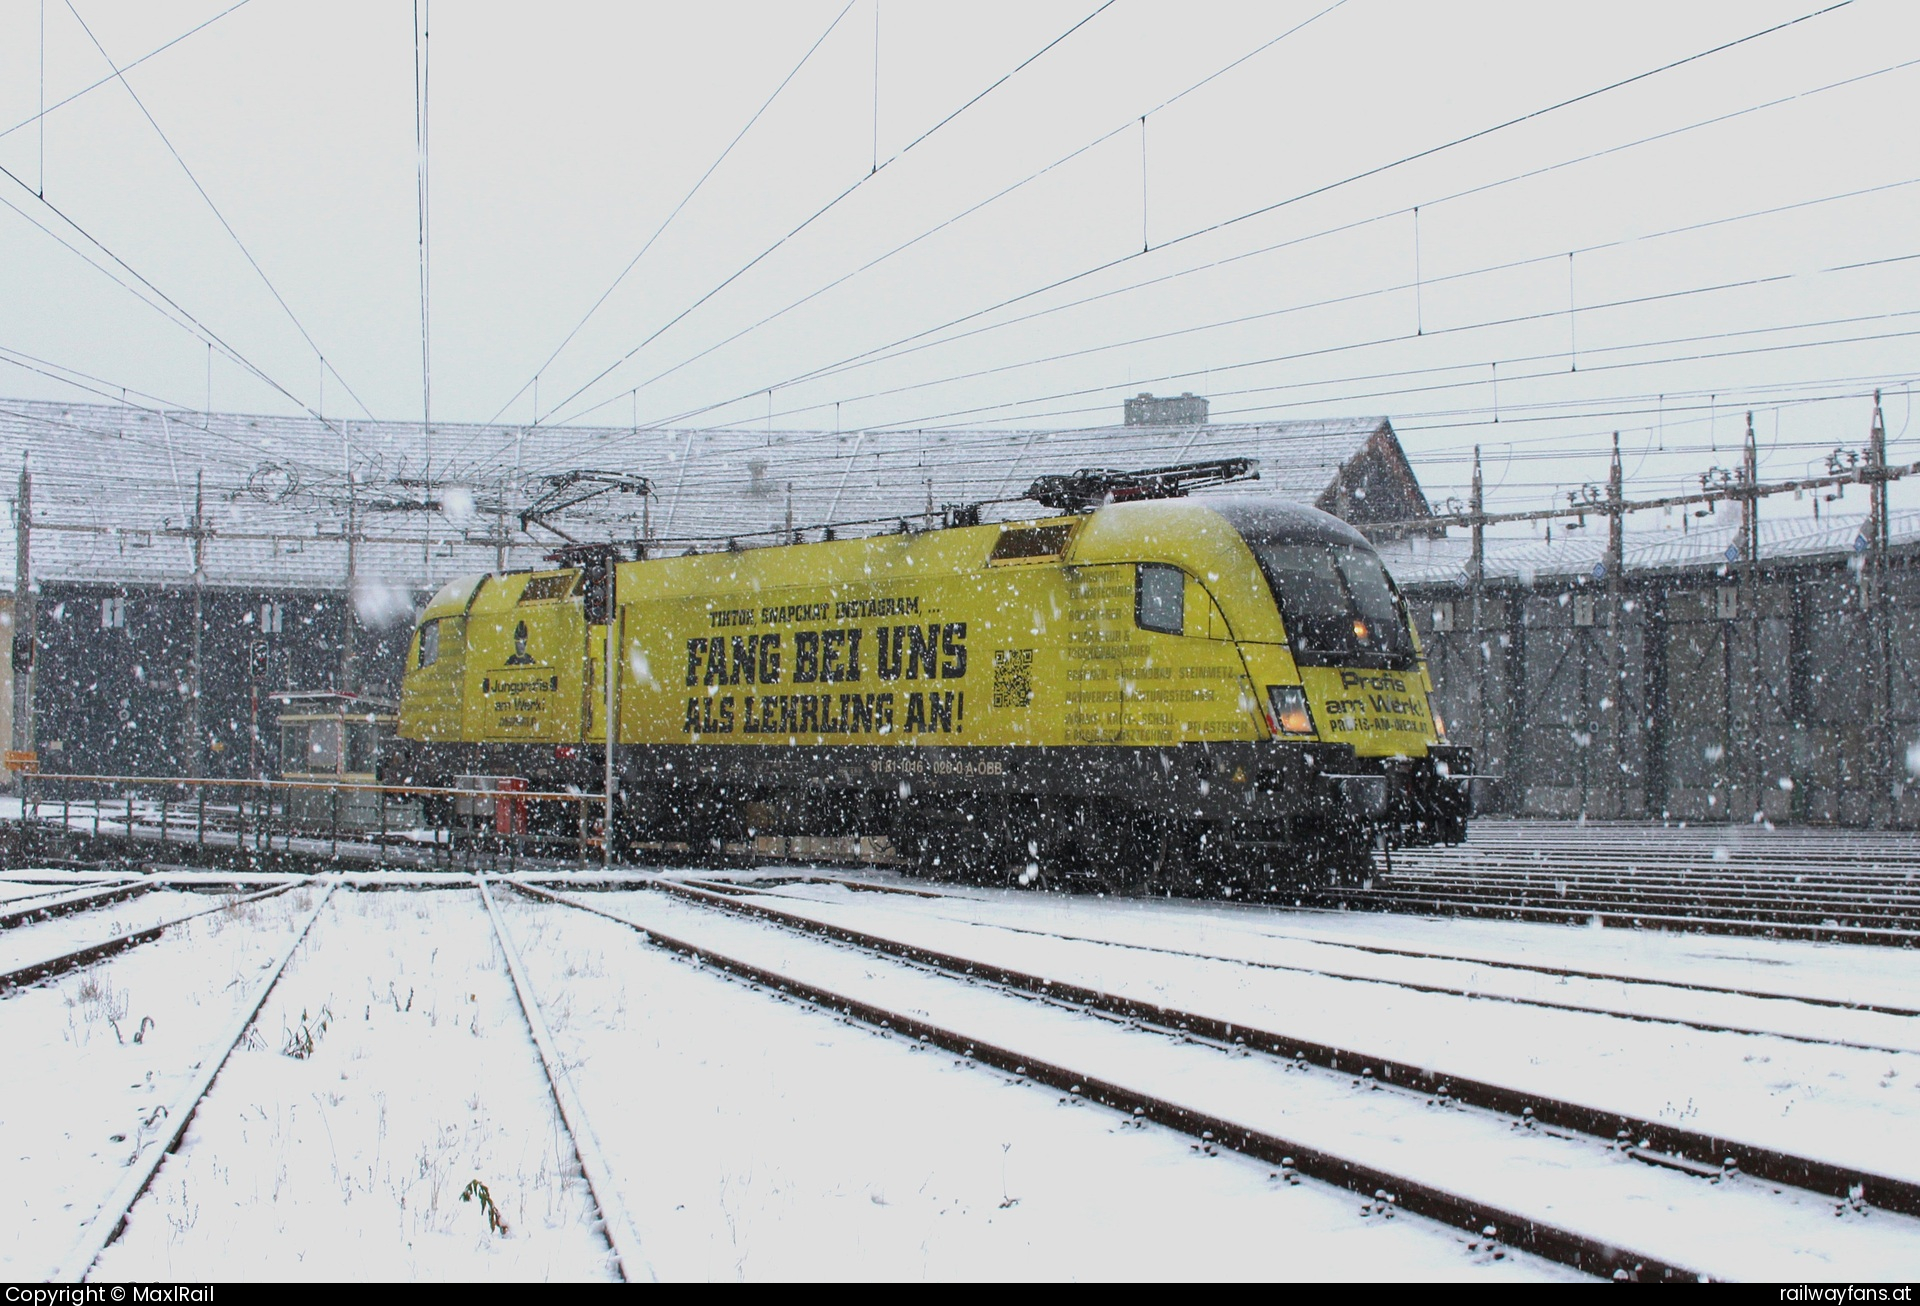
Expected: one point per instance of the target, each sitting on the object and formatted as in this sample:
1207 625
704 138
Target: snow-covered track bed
1845 886
1580 1199
54 946
1776 1013
1643 1034
100 1063
761 1129
44 903
414 1138
1101 975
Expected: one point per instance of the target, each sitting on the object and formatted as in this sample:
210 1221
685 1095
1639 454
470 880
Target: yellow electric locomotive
1158 694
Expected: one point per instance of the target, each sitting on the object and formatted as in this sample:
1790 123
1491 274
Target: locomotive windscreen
1339 607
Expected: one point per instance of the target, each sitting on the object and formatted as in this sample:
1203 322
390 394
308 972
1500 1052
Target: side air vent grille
1031 543
550 585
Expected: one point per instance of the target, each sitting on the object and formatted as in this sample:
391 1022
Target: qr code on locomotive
1012 677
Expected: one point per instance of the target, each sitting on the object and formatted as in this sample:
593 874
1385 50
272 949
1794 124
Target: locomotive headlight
1288 713
1439 722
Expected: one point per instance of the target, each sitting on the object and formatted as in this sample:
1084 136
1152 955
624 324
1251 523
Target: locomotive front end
1350 704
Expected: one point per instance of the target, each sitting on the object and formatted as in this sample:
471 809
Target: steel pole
1616 733
23 624
609 724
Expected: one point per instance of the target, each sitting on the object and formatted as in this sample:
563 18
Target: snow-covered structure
305 546
1696 685
116 490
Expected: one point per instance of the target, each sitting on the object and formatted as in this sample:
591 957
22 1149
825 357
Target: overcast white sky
563 135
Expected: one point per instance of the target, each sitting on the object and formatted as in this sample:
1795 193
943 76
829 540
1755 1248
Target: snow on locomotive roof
114 487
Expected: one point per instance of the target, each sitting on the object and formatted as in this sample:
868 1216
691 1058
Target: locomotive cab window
429 643
1339 605
1160 598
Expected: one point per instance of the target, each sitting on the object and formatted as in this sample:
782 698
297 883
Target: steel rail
616 1223
1853 886
1785 897
52 967
42 889
1420 954
1758 904
1429 904
1853 847
1478 994
107 1224
12 916
1546 855
1825 1177
1593 1255
1771 869
1785 864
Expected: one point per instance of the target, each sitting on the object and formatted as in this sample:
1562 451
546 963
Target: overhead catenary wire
1377 170
822 211
422 10
214 208
1586 280
45 108
173 309
684 201
1390 339
975 207
1352 396
873 358
159 406
40 172
1391 289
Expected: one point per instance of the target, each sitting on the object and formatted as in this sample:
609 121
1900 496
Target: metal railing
262 818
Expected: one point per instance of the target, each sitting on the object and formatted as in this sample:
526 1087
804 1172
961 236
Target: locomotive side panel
526 650
980 656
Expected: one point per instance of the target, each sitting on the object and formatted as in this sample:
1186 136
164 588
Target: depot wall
111 683
1698 695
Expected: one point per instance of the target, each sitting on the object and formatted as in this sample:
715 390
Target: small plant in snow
477 1191
300 1042
1006 1202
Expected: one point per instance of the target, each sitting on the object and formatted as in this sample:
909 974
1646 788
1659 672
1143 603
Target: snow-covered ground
764 1139
752 1136
388 1074
94 1057
1855 1107
24 945
1739 1228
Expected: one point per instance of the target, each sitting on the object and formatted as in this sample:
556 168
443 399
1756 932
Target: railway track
1558 1178
1856 887
1828 886
52 967
111 1218
617 1224
1656 1012
1898 1194
1123 1053
102 1230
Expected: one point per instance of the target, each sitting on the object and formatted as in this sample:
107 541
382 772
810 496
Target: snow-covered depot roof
114 488
1574 554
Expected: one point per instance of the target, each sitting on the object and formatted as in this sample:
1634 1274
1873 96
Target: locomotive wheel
1107 847
1345 865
